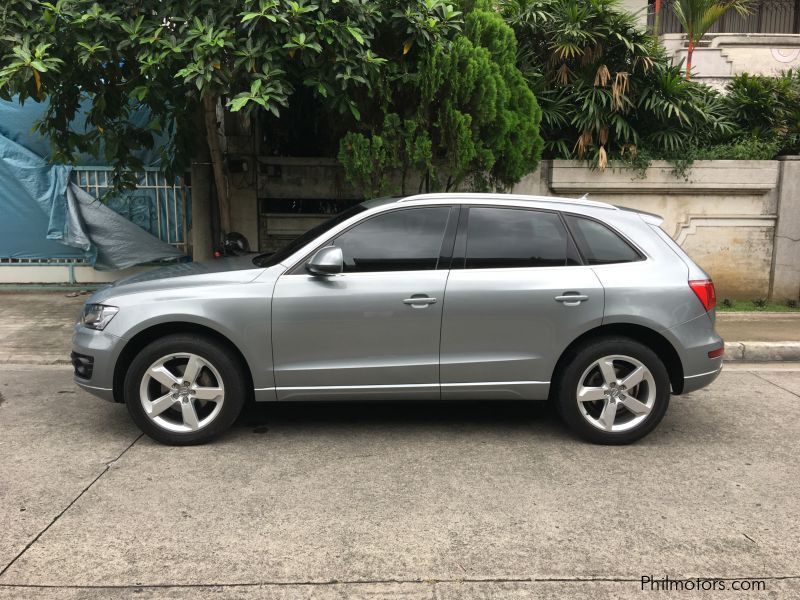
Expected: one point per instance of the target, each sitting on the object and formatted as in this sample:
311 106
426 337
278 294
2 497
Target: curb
762 351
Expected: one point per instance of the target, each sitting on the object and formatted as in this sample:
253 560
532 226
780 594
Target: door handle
571 299
420 301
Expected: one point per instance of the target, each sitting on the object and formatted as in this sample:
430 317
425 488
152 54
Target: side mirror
327 261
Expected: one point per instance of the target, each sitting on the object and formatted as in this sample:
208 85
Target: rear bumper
695 382
693 341
100 349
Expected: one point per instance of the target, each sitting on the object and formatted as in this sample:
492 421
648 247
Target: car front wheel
613 391
184 389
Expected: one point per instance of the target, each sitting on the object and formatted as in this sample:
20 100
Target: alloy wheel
182 392
616 393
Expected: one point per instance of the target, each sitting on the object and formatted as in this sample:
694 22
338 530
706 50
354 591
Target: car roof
580 205
497 198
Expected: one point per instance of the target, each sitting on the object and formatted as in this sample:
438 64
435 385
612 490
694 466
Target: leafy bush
747 148
606 87
767 108
466 115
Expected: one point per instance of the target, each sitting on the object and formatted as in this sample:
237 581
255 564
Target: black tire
568 380
228 367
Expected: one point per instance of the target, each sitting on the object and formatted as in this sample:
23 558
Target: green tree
465 116
606 88
187 60
698 16
767 109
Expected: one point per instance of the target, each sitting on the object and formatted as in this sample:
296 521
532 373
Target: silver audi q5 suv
439 296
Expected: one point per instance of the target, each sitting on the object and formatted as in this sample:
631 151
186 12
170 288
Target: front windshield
268 260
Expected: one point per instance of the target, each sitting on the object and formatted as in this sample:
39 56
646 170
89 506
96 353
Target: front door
373 331
516 297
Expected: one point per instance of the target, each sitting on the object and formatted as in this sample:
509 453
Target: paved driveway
424 500
433 500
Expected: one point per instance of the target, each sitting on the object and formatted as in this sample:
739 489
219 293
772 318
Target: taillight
704 290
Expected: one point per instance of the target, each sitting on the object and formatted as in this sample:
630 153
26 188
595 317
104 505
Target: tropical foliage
410 94
606 88
466 115
187 59
767 109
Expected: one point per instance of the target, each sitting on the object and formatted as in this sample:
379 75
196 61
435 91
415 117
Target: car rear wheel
613 391
184 389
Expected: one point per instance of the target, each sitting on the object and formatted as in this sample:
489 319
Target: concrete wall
721 56
723 213
786 257
244 215
61 274
638 8
293 179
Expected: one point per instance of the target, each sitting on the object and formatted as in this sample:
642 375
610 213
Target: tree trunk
217 161
202 237
657 20
689 53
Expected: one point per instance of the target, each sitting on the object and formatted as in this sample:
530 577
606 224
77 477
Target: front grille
82 364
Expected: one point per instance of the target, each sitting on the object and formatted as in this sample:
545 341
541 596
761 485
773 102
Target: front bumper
101 350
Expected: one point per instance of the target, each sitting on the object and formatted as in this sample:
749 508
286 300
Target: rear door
516 297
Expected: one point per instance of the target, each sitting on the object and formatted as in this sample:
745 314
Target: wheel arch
159 330
642 334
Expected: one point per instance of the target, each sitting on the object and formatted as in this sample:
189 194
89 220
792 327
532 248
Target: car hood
239 269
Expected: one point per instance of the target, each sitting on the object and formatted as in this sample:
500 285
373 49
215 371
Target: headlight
97 316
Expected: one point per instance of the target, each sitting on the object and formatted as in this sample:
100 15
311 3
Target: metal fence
766 16
158 205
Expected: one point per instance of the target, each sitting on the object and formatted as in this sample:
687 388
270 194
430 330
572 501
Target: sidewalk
760 337
36 327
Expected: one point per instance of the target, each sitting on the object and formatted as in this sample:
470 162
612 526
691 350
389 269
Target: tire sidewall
228 367
567 389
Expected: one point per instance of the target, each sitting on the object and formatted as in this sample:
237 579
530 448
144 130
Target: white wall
637 7
725 55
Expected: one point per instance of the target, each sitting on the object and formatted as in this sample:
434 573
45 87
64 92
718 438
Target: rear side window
598 244
507 237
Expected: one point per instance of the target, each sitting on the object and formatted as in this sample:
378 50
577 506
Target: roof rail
583 201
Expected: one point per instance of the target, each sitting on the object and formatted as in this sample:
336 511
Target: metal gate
158 205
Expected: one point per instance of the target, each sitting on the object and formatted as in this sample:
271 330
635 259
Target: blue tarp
33 206
39 221
17 122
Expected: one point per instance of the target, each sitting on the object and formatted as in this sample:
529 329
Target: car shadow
495 413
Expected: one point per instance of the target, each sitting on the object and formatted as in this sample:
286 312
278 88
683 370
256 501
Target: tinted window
506 237
402 240
268 260
599 244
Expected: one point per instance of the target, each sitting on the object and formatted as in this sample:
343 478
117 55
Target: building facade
764 42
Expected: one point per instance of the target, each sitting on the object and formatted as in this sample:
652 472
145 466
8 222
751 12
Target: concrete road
37 327
468 500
